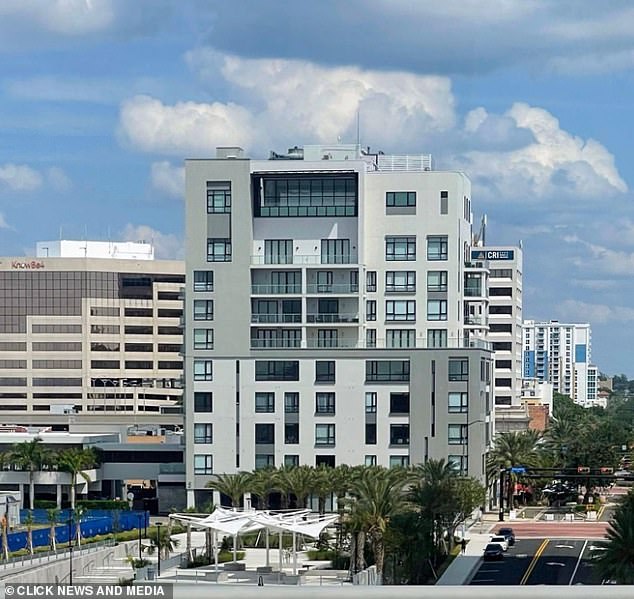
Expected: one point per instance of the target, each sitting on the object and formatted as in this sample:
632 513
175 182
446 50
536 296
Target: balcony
475 320
275 318
275 343
276 289
306 259
335 288
340 318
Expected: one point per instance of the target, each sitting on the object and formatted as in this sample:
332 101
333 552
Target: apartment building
90 329
325 314
560 354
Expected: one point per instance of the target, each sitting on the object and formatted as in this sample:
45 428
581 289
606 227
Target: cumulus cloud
574 310
58 179
167 246
168 179
601 259
3 222
19 177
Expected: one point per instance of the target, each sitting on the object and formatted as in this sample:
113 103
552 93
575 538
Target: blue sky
100 101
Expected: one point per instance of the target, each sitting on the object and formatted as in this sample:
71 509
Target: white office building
326 314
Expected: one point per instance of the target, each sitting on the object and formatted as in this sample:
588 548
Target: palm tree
262 483
30 456
298 481
75 461
5 537
559 437
28 522
163 541
378 494
234 486
79 513
52 516
617 561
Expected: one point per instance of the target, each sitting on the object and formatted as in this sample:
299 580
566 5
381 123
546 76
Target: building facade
89 336
560 354
325 314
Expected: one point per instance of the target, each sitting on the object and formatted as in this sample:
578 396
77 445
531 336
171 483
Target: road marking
564 546
483 580
488 571
601 511
555 564
533 563
574 572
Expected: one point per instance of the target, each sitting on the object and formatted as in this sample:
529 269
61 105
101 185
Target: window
500 292
203 402
457 434
203 464
139 312
503 382
265 403
397 338
370 310
458 369
325 434
278 251
291 433
506 364
106 364
370 338
458 403
370 402
400 281
335 251
370 433
502 346
399 434
203 370
324 281
354 281
325 371
436 309
203 280
437 247
437 280
399 461
291 402
444 202
327 338
400 310
398 199
264 434
203 433
370 281
277 370
370 460
325 403
218 197
324 461
436 338
264 460
501 273
203 309
381 371
458 463
502 310
219 250
500 328
203 338
399 403
400 249
291 461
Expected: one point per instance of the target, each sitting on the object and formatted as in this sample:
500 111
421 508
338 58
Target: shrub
321 554
223 556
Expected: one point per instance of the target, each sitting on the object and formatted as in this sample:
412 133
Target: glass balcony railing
350 258
263 289
332 318
275 318
332 288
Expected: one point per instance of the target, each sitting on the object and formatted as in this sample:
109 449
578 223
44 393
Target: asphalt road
542 561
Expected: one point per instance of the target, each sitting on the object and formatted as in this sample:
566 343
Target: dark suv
508 534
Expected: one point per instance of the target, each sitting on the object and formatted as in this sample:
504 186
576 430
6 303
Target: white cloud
167 246
602 259
168 179
19 177
58 179
577 311
3 222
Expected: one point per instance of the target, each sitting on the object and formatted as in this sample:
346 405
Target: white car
500 540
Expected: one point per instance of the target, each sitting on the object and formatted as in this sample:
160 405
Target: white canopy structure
235 522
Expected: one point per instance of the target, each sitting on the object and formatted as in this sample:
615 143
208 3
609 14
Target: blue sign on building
484 254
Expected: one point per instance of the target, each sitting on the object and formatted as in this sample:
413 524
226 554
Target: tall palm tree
79 512
559 437
75 461
262 483
52 516
617 561
163 542
28 522
30 456
234 486
298 481
378 494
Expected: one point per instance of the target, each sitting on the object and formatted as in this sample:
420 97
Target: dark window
278 251
203 280
370 434
386 370
325 461
370 338
170 365
503 364
170 347
290 461
203 402
335 251
169 312
437 247
172 296
291 433
104 364
291 402
264 460
138 312
370 281
502 346
325 371
138 330
325 403
399 403
265 402
370 310
277 370
400 198
203 338
399 434
169 330
400 281
203 370
458 369
400 310
93 346
264 434
500 291
47 382
400 249
500 328
501 310
139 364
138 347
325 434
218 197
203 433
219 250
398 338
502 382
203 309
203 464
104 311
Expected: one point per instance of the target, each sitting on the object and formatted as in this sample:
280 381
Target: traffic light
607 470
583 470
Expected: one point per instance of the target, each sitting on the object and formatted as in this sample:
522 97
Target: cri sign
492 254
32 265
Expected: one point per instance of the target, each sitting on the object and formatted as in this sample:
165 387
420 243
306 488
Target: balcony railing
275 318
478 320
348 343
341 318
333 288
473 292
275 343
276 289
332 259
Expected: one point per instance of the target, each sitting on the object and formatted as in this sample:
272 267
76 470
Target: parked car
493 551
500 540
509 534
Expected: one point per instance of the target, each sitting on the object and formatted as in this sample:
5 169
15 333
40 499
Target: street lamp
158 543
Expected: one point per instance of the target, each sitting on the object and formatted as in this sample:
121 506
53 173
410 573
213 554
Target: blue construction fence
93 522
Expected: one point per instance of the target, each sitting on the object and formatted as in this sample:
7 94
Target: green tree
78 514
298 481
31 456
76 461
162 541
234 486
52 515
28 522
262 483
616 562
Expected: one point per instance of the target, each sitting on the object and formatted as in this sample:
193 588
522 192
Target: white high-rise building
560 354
328 312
